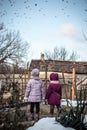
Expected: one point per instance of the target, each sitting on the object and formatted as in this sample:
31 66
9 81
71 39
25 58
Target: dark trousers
36 105
52 109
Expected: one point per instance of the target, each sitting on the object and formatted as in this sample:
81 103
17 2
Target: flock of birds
25 8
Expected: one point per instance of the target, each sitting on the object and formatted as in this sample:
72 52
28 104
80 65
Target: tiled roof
59 66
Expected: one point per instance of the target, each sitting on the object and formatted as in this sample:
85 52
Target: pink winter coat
35 91
54 92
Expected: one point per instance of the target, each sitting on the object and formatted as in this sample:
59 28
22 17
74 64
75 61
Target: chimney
42 57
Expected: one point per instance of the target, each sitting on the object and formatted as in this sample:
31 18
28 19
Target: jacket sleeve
28 88
60 91
42 91
48 92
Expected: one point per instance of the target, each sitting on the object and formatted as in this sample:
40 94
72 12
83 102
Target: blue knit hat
35 72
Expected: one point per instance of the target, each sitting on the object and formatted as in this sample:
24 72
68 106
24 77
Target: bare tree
12 47
74 56
61 54
1 26
52 55
84 35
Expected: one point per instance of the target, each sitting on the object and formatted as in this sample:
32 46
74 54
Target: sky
46 24
49 123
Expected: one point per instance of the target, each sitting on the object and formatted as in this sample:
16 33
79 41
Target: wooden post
73 83
46 76
25 78
28 74
13 73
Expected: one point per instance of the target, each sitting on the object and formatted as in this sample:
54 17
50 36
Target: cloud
70 31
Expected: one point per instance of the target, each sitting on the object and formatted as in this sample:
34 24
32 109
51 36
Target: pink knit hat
54 76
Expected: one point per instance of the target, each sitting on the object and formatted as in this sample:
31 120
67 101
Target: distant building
64 69
71 73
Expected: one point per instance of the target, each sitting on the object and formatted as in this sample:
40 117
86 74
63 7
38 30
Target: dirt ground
44 110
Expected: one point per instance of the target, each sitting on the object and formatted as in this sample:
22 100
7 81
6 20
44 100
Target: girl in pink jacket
35 92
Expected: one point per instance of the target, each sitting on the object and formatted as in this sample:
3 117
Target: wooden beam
29 73
73 83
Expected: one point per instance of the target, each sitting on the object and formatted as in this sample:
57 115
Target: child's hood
54 77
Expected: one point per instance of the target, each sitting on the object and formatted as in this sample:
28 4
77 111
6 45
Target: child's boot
37 117
31 117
